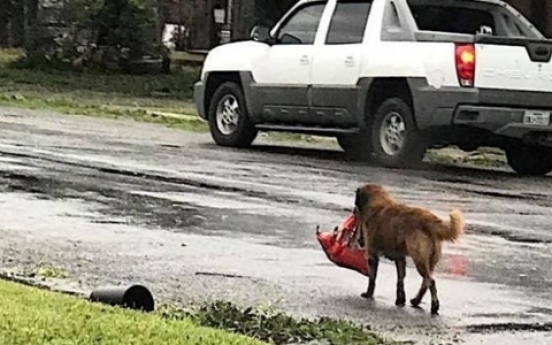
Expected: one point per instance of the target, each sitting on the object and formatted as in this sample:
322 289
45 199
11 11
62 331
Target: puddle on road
512 235
515 338
189 209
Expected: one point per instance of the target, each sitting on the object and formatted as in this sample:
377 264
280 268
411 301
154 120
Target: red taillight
465 64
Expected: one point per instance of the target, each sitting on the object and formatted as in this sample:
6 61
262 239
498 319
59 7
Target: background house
538 11
207 23
244 14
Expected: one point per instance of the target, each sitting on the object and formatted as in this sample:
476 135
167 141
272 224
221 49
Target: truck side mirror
261 33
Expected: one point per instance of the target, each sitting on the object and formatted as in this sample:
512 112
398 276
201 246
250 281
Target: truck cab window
348 22
301 26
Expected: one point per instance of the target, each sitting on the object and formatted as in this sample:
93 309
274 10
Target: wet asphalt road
122 202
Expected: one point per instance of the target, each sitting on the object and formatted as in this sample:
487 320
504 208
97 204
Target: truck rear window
452 19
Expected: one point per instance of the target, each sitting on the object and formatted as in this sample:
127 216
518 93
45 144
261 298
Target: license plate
538 118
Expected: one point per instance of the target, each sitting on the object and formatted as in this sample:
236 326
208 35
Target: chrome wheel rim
392 133
227 114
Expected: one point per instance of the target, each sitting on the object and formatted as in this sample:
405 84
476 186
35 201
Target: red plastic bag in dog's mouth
339 252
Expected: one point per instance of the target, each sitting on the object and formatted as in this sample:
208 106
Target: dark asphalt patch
116 193
175 180
224 275
514 195
509 235
325 154
98 221
456 180
509 327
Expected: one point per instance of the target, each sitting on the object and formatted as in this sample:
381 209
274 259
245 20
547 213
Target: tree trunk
243 19
5 13
160 21
202 26
31 39
18 23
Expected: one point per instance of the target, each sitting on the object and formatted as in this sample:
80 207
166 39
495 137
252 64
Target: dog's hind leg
401 274
424 272
436 255
373 263
427 283
434 299
419 247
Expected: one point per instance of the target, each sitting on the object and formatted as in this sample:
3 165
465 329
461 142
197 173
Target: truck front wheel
529 160
396 141
229 122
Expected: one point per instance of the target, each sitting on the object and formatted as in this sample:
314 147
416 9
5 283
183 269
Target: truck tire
529 160
396 140
229 122
357 147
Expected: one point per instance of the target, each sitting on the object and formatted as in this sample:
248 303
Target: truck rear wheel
529 160
396 141
229 122
358 147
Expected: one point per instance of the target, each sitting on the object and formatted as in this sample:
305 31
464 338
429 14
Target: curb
32 282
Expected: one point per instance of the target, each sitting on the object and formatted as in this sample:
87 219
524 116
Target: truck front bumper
199 99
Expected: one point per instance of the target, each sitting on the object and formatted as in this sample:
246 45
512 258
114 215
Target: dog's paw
400 302
366 295
435 308
415 302
401 298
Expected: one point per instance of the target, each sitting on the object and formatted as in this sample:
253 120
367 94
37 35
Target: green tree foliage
129 24
97 34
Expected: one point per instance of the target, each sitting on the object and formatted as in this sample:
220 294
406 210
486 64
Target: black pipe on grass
135 297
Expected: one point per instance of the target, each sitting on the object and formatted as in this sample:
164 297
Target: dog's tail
454 229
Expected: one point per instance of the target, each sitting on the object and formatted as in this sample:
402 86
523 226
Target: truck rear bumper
500 120
500 112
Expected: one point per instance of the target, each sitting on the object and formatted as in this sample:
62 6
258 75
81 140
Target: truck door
336 64
281 73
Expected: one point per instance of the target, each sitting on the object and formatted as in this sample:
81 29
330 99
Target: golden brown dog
395 231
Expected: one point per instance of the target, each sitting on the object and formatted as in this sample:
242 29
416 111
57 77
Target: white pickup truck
389 79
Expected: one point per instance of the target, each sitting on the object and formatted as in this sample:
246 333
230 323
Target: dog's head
370 196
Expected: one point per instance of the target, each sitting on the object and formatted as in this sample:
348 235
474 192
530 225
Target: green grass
159 99
483 157
267 324
8 55
109 93
51 272
32 317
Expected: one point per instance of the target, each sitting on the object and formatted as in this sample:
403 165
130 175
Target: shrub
104 35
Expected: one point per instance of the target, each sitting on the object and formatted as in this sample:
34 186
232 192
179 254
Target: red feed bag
339 252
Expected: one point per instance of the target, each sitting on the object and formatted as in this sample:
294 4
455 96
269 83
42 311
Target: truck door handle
304 60
349 61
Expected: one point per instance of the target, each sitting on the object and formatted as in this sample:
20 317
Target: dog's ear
361 199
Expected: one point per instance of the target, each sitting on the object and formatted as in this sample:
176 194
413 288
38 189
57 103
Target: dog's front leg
401 274
373 263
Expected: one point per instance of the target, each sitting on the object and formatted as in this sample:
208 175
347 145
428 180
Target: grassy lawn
159 99
31 317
